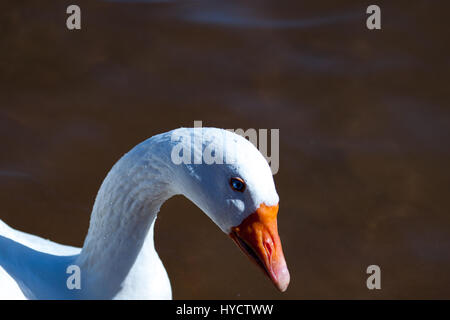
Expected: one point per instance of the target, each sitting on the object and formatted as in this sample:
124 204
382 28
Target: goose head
233 184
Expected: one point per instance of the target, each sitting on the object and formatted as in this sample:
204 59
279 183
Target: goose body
118 259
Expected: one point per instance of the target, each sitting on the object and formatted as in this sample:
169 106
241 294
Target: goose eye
237 184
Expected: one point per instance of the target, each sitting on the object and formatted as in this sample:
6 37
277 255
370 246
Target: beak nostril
268 245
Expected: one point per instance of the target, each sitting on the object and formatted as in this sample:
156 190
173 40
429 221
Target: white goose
118 259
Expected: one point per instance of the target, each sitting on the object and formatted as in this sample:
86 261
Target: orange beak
258 237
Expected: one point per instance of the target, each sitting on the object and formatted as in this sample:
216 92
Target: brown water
363 116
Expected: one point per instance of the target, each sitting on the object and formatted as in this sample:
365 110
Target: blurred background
363 115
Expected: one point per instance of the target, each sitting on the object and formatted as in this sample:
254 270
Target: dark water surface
363 115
